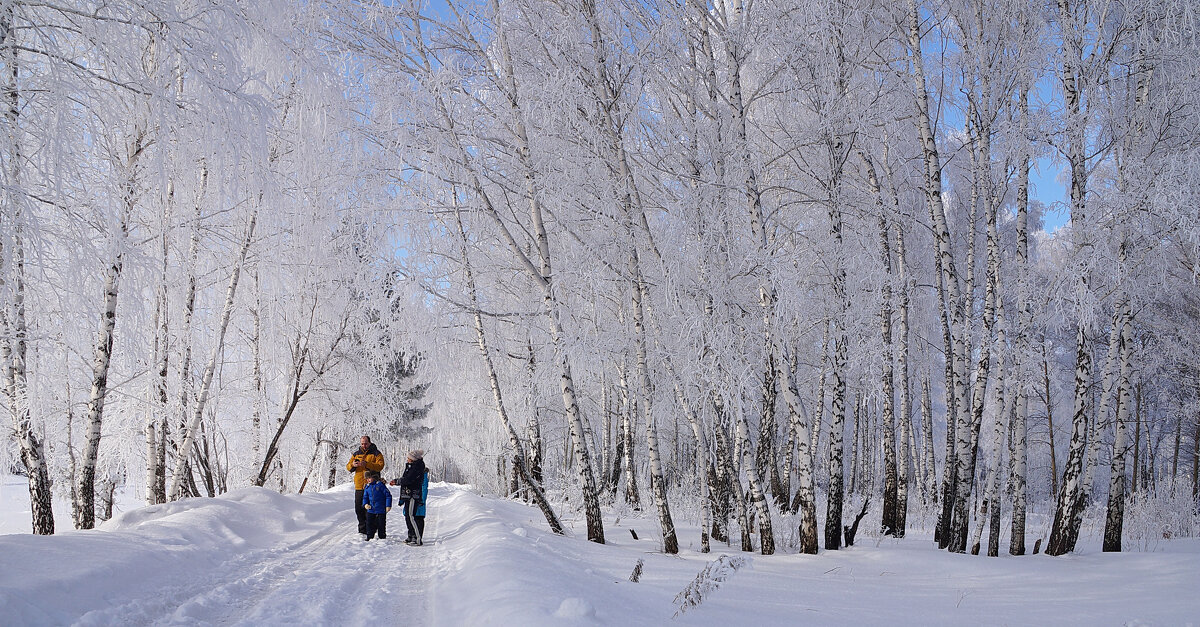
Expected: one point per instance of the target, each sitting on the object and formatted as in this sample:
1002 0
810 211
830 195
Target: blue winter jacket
419 510
378 496
424 494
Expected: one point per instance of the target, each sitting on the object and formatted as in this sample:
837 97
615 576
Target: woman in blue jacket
413 489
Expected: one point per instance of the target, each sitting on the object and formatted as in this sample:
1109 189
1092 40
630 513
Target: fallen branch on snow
707 581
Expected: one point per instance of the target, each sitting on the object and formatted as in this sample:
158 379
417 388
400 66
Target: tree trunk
951 300
102 354
519 459
757 495
701 461
1024 350
260 386
837 425
856 448
1137 445
1100 422
722 476
605 457
929 488
1049 422
1069 509
14 332
890 522
1115 519
157 414
189 308
632 496
658 487
909 471
332 459
1003 412
189 434
543 275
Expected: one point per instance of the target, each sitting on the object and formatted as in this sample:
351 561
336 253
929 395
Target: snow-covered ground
255 557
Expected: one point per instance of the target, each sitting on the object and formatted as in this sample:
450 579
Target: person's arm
374 462
387 498
350 464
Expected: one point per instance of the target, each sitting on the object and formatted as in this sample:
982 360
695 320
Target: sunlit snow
255 557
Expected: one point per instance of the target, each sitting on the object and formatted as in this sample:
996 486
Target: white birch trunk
1016 545
541 274
1069 508
1100 421
945 261
156 422
102 354
14 332
257 371
890 522
930 484
629 204
189 308
968 440
1115 518
701 460
521 460
189 432
910 473
13 350
758 496
632 495
658 484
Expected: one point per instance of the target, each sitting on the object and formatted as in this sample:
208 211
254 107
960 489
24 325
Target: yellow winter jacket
372 460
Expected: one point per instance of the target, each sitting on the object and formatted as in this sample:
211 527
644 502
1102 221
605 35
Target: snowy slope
256 557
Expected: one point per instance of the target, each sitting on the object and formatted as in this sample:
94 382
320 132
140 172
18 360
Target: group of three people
373 498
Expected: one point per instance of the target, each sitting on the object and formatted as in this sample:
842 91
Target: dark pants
415 524
377 523
360 511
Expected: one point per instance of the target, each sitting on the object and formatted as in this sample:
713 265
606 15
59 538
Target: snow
255 557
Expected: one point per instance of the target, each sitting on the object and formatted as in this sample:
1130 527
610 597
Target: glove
386 510
368 506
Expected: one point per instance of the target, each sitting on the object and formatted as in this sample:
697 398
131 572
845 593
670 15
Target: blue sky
1047 185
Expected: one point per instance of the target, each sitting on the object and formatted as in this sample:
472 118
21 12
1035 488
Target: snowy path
330 577
306 565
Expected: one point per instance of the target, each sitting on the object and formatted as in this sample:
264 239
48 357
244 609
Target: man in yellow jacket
367 457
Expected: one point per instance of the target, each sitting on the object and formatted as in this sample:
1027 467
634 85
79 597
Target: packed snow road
252 557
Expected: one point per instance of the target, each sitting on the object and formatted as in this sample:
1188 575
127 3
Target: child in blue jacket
377 500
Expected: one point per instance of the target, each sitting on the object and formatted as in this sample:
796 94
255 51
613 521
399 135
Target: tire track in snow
328 575
334 577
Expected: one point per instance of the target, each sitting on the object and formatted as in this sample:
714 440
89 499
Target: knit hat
416 454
